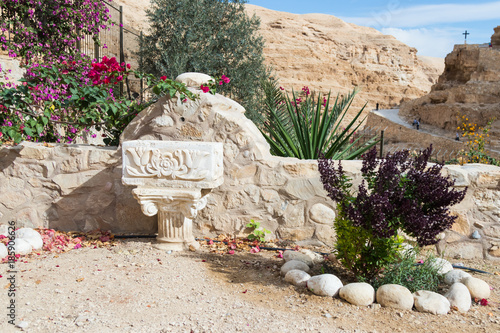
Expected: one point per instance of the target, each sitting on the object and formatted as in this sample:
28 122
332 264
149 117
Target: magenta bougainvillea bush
49 28
64 93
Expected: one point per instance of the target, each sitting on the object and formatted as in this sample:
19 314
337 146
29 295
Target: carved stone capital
185 201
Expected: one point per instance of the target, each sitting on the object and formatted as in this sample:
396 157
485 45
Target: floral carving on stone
180 164
173 164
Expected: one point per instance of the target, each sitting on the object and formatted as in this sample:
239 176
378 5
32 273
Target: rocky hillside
469 85
326 53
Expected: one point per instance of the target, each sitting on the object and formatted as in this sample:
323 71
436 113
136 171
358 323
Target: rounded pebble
324 285
359 293
395 296
294 264
297 277
477 287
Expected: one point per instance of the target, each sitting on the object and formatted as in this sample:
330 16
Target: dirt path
393 116
134 288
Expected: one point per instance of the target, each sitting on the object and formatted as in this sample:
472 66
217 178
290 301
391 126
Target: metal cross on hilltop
466 33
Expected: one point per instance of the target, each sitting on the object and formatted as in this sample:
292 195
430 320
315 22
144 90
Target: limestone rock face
326 53
495 38
469 85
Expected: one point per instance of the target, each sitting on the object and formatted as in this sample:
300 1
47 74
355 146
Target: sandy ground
132 287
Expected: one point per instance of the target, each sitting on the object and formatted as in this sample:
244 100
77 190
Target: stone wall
77 187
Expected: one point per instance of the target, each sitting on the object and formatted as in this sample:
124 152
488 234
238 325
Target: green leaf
39 128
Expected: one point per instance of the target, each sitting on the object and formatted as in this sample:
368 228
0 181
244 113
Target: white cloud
394 15
428 42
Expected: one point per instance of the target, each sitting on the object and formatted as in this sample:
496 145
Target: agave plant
308 127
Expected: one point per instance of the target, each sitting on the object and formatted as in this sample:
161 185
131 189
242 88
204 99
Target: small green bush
407 273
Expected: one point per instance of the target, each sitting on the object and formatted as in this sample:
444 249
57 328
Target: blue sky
433 27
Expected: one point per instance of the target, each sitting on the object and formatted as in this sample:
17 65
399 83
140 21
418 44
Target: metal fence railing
119 42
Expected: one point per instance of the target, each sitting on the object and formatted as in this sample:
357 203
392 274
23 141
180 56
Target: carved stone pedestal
175 208
172 178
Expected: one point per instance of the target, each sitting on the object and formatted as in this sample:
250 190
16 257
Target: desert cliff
469 85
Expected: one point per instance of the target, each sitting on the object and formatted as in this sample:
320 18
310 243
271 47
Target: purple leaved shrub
400 192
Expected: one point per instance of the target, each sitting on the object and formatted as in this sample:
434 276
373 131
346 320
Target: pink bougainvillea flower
484 302
221 83
77 246
128 66
232 246
225 79
255 249
280 254
204 89
210 242
281 88
184 100
230 252
163 78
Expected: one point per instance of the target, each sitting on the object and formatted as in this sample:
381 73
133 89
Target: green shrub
407 273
